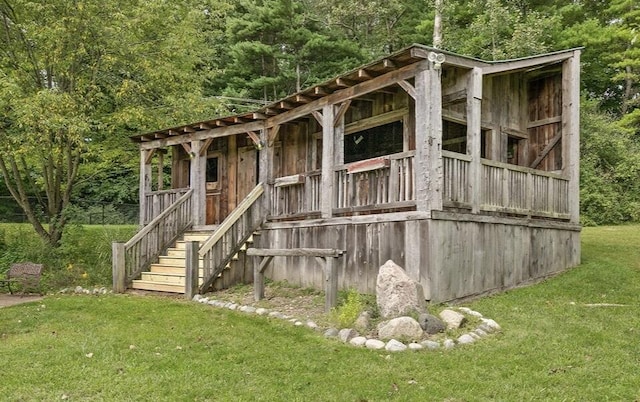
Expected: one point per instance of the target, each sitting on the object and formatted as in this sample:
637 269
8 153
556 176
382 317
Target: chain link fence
81 212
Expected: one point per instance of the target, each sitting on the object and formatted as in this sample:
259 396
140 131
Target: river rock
395 346
453 319
401 327
431 324
374 344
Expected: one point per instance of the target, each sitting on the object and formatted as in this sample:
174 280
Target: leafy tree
610 167
275 48
76 75
495 29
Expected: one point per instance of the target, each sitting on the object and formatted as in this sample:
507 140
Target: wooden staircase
168 274
141 264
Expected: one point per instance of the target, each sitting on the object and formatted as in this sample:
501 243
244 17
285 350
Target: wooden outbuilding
464 172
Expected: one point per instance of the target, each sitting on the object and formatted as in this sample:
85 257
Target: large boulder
396 293
400 328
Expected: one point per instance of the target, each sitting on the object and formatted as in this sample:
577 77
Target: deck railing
158 201
374 184
297 195
154 238
218 250
506 188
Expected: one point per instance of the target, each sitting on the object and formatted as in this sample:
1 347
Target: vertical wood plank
119 268
232 173
331 283
474 138
145 185
328 131
197 172
192 269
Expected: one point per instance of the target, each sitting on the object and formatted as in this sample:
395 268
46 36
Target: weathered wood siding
452 258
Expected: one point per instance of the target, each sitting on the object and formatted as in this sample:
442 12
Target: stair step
157 286
170 269
196 237
175 279
175 261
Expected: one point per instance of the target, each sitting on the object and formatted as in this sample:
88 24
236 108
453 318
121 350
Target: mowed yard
555 345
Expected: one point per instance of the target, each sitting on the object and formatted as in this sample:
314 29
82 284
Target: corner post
192 262
118 267
571 132
428 163
474 137
328 145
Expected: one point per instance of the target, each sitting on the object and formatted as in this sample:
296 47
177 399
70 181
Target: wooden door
247 171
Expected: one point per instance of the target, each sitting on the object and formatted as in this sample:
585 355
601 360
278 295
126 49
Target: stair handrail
157 235
250 215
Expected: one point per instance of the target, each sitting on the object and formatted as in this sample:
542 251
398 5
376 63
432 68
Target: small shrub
347 313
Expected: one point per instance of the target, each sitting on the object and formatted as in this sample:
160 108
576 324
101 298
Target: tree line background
77 78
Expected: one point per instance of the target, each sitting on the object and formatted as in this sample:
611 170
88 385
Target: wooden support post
571 132
197 172
192 262
474 137
325 256
232 173
428 159
119 267
145 184
161 153
330 283
258 277
328 131
265 171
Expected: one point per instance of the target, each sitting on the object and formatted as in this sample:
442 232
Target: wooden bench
324 256
26 274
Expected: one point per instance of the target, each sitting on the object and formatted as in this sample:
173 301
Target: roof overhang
253 121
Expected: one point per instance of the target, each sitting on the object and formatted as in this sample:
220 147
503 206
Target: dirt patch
12 300
300 303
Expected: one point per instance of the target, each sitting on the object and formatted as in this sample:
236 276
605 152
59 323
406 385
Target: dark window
212 170
454 138
513 151
374 142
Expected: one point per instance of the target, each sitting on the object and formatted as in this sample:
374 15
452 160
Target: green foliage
348 311
610 167
84 257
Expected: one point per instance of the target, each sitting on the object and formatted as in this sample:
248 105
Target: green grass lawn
552 347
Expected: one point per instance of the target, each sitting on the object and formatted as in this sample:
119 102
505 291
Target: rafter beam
409 89
342 109
186 147
255 137
318 116
205 146
273 133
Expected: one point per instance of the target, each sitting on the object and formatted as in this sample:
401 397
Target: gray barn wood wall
459 259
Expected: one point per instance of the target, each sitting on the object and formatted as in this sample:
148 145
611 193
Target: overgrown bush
84 258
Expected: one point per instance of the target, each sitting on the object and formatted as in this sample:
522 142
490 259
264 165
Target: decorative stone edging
81 290
351 336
